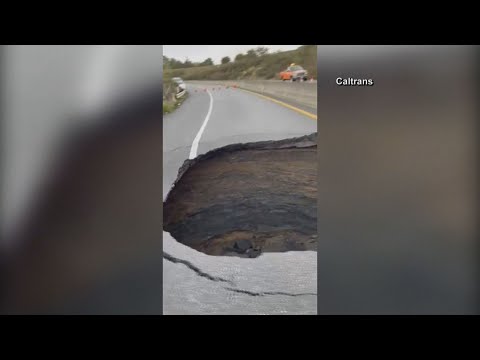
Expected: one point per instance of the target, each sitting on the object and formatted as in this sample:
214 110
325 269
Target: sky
198 53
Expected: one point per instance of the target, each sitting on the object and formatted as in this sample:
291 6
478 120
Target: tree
239 57
261 50
225 60
207 62
251 53
187 63
166 62
174 63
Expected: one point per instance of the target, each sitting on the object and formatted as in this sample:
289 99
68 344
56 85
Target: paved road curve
235 116
274 283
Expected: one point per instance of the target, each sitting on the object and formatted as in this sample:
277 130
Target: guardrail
304 93
180 94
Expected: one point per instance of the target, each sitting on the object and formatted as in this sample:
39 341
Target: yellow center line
303 112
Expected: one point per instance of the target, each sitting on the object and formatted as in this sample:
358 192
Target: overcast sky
197 53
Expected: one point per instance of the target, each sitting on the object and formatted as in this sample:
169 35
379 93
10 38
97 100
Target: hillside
252 66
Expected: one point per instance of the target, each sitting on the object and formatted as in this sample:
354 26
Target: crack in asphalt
265 293
201 273
197 270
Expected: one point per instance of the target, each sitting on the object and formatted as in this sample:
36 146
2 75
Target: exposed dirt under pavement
245 199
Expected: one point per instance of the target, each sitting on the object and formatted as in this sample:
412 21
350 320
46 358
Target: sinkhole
247 199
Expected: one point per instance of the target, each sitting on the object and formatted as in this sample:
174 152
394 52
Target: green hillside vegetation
257 63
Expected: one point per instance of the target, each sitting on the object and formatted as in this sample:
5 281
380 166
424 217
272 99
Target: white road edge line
194 148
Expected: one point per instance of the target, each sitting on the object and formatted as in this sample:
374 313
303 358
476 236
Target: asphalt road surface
195 283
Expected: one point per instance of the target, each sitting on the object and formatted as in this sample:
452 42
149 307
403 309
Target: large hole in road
246 199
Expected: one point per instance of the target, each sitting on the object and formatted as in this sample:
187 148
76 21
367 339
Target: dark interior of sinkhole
247 199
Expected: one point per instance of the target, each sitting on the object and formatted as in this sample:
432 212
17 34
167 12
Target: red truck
294 73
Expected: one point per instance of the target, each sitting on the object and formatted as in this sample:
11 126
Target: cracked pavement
274 283
189 265
203 274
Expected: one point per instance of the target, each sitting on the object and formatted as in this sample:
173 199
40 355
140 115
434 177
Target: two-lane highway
195 283
215 116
